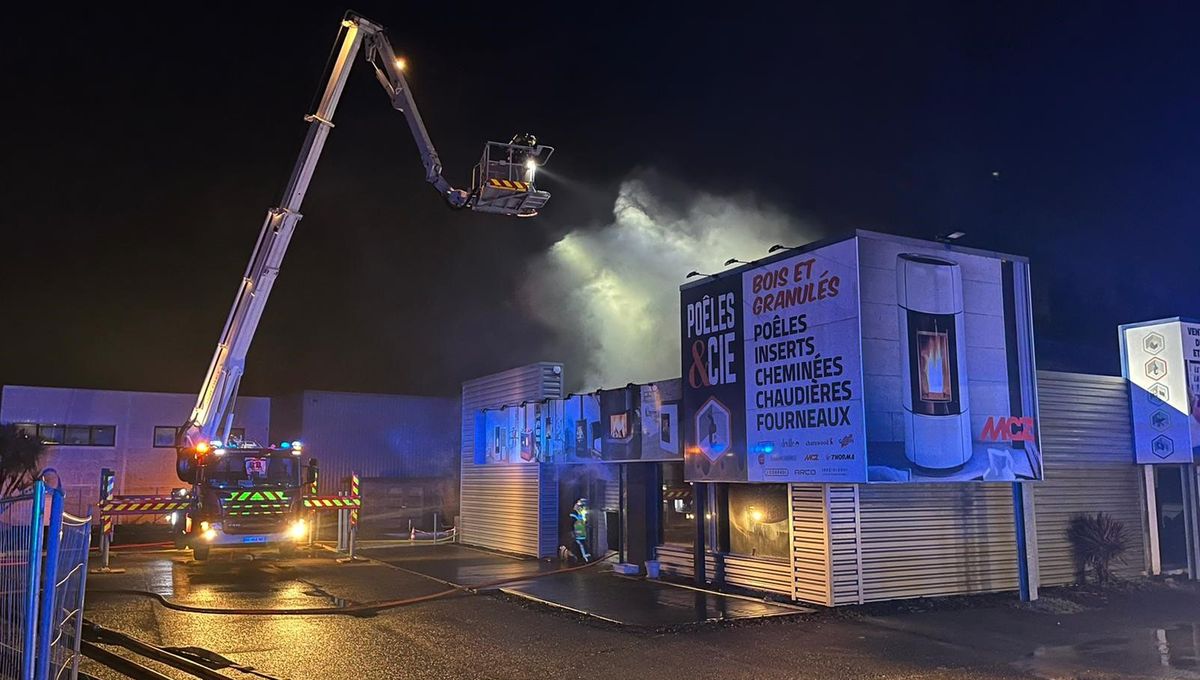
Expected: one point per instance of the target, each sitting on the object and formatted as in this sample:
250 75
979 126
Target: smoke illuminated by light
613 291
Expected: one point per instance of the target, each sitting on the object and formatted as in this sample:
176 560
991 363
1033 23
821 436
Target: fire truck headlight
298 530
209 534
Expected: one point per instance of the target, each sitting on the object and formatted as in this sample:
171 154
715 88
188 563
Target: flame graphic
933 369
934 365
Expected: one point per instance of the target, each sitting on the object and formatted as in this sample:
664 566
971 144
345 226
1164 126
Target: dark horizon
144 150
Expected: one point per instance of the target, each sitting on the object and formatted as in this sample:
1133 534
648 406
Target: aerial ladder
220 468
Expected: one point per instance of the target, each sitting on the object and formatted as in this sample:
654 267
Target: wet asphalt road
496 636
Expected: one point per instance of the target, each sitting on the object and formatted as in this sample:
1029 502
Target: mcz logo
1007 428
812 457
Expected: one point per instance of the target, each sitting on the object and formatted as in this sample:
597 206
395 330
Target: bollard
108 480
341 530
314 529
435 527
352 521
355 494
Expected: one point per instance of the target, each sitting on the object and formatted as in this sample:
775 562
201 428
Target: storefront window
758 520
678 522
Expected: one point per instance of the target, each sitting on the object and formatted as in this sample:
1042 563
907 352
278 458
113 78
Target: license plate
254 539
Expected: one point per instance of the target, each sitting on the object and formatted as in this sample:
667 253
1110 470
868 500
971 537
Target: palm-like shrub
20 458
1097 540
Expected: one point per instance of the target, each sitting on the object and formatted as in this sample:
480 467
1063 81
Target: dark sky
141 150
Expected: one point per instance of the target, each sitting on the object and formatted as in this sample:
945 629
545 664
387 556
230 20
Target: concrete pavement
1148 633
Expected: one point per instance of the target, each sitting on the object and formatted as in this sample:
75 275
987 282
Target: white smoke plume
612 293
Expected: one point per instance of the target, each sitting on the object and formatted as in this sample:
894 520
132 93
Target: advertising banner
660 420
628 424
947 353
1161 364
803 377
714 398
872 359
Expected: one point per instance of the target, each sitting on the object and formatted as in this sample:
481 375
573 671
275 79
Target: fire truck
250 494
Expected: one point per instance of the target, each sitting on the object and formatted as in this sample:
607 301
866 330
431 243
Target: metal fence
43 567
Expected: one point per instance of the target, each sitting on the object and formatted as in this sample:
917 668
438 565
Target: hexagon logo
713 428
1158 394
1160 420
1153 343
1156 368
1162 446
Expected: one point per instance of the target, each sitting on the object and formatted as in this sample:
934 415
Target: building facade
132 433
829 544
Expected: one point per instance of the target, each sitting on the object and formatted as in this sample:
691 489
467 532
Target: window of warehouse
678 518
758 520
71 435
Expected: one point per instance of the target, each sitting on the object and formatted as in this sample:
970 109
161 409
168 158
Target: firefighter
521 156
579 520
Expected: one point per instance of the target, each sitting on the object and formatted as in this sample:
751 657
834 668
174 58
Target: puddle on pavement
231 580
1171 652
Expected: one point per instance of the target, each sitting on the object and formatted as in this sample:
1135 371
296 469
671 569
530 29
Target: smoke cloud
612 292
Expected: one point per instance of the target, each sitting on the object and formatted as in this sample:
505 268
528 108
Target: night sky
141 150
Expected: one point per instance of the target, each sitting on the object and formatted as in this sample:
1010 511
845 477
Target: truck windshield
234 470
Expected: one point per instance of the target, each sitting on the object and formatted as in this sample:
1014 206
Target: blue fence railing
43 571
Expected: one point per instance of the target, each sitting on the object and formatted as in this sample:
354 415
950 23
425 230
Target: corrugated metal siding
923 540
501 505
1088 449
548 539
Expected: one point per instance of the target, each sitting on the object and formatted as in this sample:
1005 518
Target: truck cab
244 496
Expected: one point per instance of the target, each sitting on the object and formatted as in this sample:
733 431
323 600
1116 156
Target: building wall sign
871 359
1161 364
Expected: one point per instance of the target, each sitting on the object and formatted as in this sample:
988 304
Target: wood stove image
937 421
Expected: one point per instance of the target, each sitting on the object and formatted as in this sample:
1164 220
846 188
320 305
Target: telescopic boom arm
212 417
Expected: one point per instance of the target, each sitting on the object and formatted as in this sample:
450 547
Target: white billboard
803 373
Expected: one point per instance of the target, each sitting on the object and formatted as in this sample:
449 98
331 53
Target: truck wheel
287 550
200 553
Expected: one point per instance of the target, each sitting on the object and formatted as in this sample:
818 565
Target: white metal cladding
756 573
501 505
845 543
811 565
1088 450
759 573
677 561
924 540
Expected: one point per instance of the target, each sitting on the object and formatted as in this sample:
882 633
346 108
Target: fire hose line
361 609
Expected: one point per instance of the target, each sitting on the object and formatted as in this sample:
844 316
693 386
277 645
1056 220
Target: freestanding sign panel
1161 364
872 359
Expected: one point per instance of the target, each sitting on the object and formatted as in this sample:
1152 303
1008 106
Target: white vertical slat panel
502 505
1088 449
845 540
922 540
810 544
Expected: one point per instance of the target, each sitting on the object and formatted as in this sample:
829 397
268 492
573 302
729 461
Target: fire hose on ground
363 609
